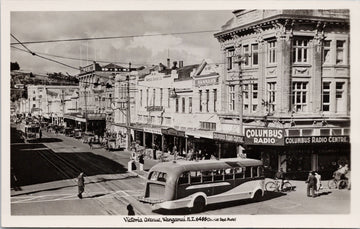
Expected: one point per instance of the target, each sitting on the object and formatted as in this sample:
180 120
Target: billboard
264 136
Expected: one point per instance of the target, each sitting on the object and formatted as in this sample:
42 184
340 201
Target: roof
111 65
181 166
184 72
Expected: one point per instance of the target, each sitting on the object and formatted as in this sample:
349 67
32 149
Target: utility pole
128 121
85 108
240 95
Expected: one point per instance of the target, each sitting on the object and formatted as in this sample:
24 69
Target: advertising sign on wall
316 140
228 137
264 136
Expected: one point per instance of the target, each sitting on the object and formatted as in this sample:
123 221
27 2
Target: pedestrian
81 185
130 209
90 142
279 175
141 162
311 184
318 181
40 134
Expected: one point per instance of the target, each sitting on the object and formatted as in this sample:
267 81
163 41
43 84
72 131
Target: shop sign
316 140
229 137
206 82
154 108
264 136
174 132
152 130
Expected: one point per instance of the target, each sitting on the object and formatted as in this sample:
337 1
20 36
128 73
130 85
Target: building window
161 96
207 100
254 107
327 53
183 105
272 52
299 96
147 97
232 97
176 105
34 98
340 52
255 54
246 91
200 101
229 58
255 91
246 55
190 104
154 96
271 96
339 90
215 99
169 92
208 125
326 96
300 51
141 98
34 105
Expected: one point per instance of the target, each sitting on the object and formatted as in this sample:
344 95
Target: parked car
69 131
77 133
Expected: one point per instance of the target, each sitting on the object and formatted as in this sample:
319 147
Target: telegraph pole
240 95
85 108
128 121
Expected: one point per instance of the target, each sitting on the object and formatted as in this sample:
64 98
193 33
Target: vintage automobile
77 134
69 131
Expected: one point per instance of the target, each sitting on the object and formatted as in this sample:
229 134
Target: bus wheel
257 195
199 204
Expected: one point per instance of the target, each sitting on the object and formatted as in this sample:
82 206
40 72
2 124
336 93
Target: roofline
281 16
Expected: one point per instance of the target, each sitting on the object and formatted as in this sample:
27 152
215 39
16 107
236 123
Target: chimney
181 63
168 62
174 65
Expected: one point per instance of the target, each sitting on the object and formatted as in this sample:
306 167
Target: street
44 183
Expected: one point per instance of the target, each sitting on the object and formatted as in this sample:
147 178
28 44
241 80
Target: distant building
49 101
293 81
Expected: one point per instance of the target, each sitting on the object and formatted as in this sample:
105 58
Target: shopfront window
298 160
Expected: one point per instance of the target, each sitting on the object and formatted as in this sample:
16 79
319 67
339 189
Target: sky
190 48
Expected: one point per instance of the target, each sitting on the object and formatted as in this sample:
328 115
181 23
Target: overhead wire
113 37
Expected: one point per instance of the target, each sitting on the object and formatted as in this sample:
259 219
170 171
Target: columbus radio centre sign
264 136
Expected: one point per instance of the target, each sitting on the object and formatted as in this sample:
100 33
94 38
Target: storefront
297 155
173 137
229 145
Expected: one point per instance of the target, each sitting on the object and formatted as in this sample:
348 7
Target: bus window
248 172
207 176
255 171
195 177
229 174
162 177
239 172
184 178
154 175
218 175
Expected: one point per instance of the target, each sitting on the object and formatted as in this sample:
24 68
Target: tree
14 66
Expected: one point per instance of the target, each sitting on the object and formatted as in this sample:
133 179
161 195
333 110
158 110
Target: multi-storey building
287 86
97 85
50 102
177 106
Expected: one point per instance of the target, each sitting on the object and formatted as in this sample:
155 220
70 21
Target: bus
195 184
30 132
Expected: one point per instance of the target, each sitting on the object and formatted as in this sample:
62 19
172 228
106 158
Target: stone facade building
288 70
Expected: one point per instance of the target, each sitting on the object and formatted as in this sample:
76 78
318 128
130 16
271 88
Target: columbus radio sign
264 136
